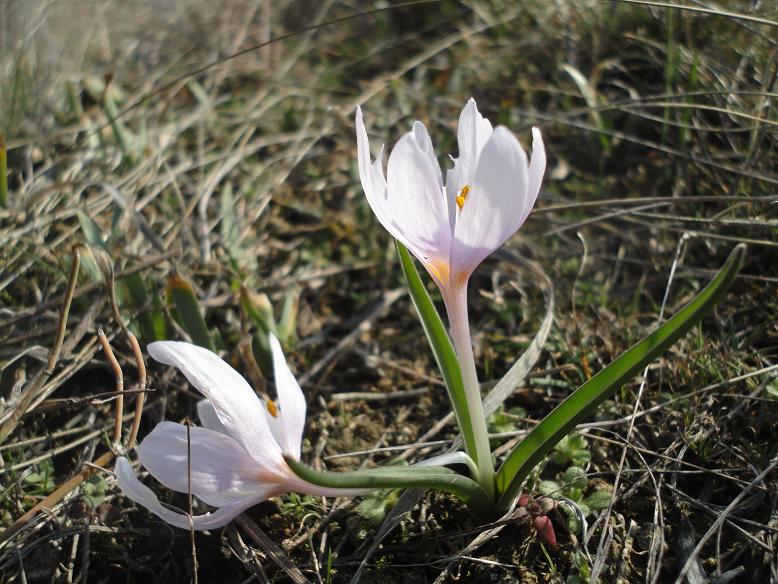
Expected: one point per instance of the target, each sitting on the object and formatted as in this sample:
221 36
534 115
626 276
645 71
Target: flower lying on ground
236 459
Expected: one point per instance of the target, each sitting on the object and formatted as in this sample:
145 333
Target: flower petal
237 406
473 132
537 167
209 418
221 471
418 208
371 174
424 141
497 204
291 401
142 495
411 208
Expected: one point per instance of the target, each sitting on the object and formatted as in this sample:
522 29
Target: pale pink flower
237 456
452 228
488 194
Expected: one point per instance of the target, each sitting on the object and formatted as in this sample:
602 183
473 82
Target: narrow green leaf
442 349
188 309
92 232
399 477
121 133
229 224
140 300
258 308
581 403
3 172
287 324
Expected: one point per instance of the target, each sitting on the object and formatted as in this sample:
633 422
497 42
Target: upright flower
236 459
487 196
452 228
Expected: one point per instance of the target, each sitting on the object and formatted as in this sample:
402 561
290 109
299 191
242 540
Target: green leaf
442 349
399 477
188 310
550 488
139 297
3 172
92 232
230 232
575 477
258 308
598 500
583 402
287 324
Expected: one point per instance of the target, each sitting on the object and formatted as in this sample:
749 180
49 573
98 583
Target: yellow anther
271 408
462 196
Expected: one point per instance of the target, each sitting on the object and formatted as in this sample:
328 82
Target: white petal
537 167
417 205
237 406
425 144
221 471
371 175
209 418
497 204
473 133
142 495
291 402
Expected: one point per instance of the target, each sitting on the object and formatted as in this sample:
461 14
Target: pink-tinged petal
537 167
473 133
371 175
142 495
237 406
209 418
418 207
496 205
291 402
221 471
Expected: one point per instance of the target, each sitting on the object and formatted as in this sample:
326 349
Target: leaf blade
541 440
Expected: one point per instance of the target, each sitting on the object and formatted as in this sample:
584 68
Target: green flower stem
400 477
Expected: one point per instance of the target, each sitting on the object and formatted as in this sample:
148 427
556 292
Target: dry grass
661 128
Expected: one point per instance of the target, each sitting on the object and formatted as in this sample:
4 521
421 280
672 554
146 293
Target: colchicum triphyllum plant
248 450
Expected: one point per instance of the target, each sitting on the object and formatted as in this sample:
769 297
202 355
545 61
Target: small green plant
571 450
93 490
300 506
373 508
41 480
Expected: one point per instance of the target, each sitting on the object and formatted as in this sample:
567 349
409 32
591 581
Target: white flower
488 194
451 229
237 456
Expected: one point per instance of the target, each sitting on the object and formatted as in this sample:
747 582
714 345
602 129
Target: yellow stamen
271 408
462 196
